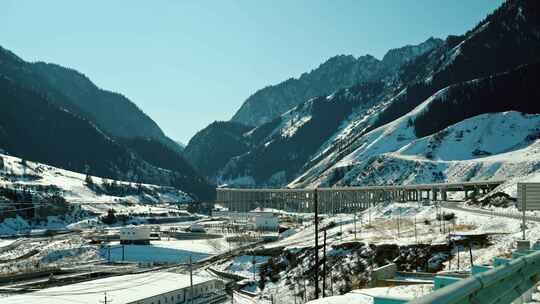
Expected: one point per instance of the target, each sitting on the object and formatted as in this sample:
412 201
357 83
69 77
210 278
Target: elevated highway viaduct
343 199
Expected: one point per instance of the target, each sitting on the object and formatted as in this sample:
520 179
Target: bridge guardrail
503 284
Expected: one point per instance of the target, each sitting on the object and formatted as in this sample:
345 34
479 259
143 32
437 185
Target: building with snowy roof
135 235
146 288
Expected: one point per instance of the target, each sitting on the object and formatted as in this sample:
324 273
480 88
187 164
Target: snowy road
455 206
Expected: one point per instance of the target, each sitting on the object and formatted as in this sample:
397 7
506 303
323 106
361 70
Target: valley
407 177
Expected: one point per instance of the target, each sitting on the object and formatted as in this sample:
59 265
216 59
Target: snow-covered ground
170 251
74 188
365 296
497 146
244 265
44 181
46 252
380 230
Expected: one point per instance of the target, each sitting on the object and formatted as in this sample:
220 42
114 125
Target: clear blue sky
188 63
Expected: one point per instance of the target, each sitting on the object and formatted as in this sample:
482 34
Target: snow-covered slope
483 135
466 77
45 180
307 132
462 152
387 138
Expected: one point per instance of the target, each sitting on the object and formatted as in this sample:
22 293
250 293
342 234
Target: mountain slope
489 95
307 149
61 197
111 111
211 148
41 123
282 147
507 38
161 156
336 73
496 146
266 154
504 40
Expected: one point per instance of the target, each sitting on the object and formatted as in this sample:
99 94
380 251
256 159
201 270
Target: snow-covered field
35 253
383 229
44 181
166 251
365 296
74 188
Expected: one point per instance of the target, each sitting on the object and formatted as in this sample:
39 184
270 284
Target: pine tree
1 163
89 181
114 187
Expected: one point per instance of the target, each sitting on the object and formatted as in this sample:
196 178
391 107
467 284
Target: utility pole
305 290
398 218
415 234
354 225
440 220
191 281
324 265
341 228
109 253
443 223
458 257
470 253
253 264
123 253
316 207
105 300
524 207
331 282
369 211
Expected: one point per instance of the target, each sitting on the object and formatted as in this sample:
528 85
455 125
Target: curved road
455 206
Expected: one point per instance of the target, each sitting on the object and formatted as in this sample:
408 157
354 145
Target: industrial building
254 220
135 235
265 221
146 288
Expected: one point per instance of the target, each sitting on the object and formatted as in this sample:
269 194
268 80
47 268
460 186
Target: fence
502 284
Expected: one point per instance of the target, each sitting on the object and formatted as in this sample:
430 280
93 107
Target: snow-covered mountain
515 90
489 146
28 183
56 115
324 140
336 73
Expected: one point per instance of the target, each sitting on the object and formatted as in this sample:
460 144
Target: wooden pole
191 281
524 207
324 265
316 207
470 253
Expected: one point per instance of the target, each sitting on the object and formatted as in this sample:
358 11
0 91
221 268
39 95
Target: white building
196 227
146 288
265 221
135 235
256 220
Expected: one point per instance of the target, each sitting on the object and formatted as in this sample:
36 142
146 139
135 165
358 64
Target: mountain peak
396 58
